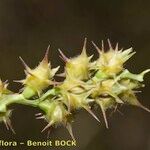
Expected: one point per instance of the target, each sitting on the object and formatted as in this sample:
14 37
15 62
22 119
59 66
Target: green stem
33 103
20 99
17 99
48 93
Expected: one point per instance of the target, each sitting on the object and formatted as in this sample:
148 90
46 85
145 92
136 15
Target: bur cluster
86 84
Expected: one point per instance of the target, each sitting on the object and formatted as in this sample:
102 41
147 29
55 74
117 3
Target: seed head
3 88
111 62
5 117
39 78
78 67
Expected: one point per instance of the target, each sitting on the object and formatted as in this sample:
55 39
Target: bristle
24 64
48 133
104 114
30 73
115 109
116 48
121 113
5 82
38 114
5 85
69 128
48 126
90 112
143 107
102 46
19 81
10 126
90 57
129 56
54 70
21 90
109 44
26 73
45 59
40 117
65 59
96 47
5 122
84 47
144 72
61 74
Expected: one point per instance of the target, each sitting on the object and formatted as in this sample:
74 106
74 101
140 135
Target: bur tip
45 59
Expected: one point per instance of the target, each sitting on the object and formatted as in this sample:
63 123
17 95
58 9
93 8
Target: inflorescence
103 82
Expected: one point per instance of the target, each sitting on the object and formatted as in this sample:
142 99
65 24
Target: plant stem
20 99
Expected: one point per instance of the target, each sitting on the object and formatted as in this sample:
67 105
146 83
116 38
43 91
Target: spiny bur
39 78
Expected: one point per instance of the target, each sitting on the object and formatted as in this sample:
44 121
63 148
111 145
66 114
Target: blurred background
27 27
